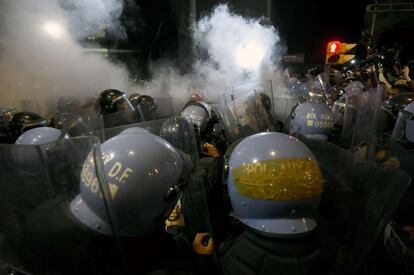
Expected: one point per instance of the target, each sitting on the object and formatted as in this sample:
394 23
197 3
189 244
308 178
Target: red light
334 47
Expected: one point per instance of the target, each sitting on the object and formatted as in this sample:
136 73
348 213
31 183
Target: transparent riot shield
147 109
244 116
121 118
287 99
264 90
176 130
74 125
190 214
67 105
48 221
358 200
367 119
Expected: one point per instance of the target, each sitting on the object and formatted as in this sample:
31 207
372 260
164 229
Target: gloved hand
203 244
210 150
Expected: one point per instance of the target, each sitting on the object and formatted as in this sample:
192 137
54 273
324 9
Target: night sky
305 26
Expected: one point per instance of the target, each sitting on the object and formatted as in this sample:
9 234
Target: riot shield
39 230
74 125
67 105
121 118
287 100
147 109
264 90
176 130
244 116
192 208
358 200
367 119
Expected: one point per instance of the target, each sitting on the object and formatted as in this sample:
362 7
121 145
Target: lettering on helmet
279 179
115 175
324 122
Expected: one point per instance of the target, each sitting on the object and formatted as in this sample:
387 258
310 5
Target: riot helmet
145 106
198 113
112 101
391 108
404 127
311 119
23 121
133 98
180 133
275 184
143 173
39 136
134 130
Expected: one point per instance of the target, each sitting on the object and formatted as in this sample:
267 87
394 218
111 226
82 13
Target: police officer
274 185
79 238
204 119
115 108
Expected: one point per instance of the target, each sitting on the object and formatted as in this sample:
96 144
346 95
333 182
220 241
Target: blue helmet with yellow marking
274 184
140 169
311 119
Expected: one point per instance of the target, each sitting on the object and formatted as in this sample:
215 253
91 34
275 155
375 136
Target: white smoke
233 51
40 60
90 16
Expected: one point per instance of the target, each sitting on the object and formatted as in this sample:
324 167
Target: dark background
156 28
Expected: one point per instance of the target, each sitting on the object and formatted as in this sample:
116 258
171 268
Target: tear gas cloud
40 58
232 51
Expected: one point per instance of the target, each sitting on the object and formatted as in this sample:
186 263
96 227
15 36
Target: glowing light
273 153
53 29
353 61
250 55
333 48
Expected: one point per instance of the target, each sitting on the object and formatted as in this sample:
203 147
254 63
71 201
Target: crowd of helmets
268 192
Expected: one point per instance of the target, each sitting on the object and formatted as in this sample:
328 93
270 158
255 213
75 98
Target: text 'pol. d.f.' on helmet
274 184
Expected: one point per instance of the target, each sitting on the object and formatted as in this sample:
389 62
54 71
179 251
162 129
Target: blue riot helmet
275 184
143 173
40 136
134 130
404 127
311 119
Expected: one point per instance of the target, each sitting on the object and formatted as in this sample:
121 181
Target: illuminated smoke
41 60
233 51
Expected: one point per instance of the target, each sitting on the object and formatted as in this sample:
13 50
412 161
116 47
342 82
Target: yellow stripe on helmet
279 179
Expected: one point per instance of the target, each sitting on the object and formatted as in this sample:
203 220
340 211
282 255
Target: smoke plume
40 59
